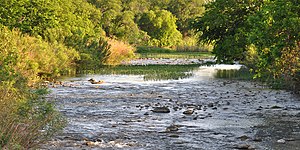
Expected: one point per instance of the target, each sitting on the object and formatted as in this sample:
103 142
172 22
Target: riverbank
167 61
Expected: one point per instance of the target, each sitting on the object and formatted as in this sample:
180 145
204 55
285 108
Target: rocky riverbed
199 112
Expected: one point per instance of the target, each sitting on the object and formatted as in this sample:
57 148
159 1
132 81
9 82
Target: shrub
34 56
26 118
190 44
119 51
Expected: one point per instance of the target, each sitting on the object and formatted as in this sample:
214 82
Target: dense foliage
42 39
161 27
81 24
275 34
265 34
225 25
26 119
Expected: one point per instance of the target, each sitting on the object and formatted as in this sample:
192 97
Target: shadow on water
280 132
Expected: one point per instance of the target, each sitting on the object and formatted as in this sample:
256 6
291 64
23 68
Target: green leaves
32 17
270 28
224 24
276 28
161 27
185 11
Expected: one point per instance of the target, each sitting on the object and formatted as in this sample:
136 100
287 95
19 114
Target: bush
33 56
190 44
26 118
119 51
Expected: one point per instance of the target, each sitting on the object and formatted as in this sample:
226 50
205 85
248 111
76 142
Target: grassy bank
177 55
156 52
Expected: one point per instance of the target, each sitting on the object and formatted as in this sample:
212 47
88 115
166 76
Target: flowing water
203 111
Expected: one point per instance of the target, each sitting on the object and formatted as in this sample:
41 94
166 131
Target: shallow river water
196 112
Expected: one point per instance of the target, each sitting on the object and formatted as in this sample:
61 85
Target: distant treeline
86 25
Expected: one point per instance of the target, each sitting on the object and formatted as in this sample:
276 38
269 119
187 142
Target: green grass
177 55
148 49
156 52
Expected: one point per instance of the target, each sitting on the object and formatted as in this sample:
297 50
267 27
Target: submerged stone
188 112
161 110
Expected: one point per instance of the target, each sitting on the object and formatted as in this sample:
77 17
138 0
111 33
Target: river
193 111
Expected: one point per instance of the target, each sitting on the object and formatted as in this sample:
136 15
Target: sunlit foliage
161 27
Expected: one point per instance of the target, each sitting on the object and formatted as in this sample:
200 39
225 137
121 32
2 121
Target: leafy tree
159 4
77 20
267 30
186 11
110 9
161 26
136 6
126 29
275 33
30 16
224 25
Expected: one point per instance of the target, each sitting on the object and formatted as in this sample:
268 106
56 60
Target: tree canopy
161 27
265 31
225 25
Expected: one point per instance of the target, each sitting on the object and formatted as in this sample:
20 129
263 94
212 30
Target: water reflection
149 72
164 72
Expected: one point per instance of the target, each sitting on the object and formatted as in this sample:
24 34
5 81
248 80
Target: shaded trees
185 12
224 25
265 31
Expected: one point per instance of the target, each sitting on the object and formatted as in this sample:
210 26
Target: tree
224 25
269 30
110 10
161 26
159 4
30 16
185 11
136 6
275 33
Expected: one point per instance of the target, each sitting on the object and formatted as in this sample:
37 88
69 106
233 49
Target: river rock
91 144
276 107
282 141
244 146
188 112
257 139
243 138
172 128
174 136
161 110
210 105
